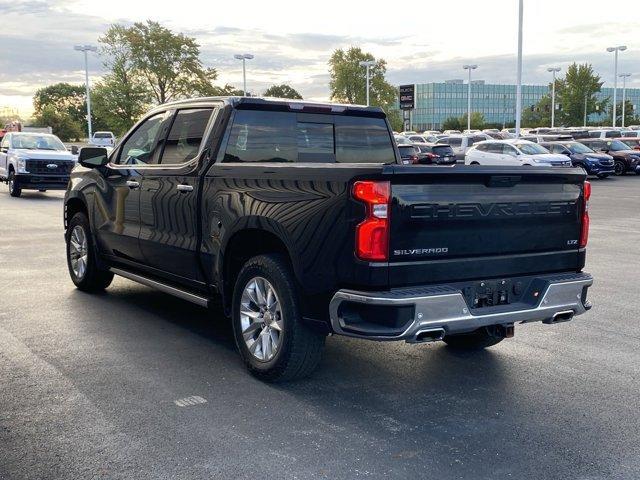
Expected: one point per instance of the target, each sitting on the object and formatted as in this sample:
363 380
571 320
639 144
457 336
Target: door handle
184 188
132 184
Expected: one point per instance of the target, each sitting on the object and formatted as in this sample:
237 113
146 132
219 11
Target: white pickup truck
34 161
103 139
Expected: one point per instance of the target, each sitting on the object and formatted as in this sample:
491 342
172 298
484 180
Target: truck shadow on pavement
421 406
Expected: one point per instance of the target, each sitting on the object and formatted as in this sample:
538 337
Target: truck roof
281 104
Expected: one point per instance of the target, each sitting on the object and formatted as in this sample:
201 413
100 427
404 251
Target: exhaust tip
560 317
431 335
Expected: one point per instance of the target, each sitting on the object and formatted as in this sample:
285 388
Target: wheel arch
257 236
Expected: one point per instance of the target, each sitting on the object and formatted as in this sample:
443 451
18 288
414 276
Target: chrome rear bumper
444 307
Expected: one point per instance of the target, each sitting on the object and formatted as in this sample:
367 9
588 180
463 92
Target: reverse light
584 231
372 234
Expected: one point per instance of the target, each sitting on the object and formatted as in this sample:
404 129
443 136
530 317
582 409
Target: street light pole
85 49
367 64
624 93
620 48
469 68
553 70
519 70
244 57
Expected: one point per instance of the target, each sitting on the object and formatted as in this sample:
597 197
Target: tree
122 96
169 62
477 121
65 98
452 123
539 115
62 124
348 81
579 85
282 91
629 113
62 107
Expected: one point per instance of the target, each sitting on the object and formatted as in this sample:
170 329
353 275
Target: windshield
617 145
36 142
102 135
579 148
531 148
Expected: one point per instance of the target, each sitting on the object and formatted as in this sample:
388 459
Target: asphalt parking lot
95 386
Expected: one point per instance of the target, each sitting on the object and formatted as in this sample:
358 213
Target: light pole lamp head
553 69
243 56
624 75
367 63
470 67
85 48
621 48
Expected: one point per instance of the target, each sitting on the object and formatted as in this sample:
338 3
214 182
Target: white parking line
189 401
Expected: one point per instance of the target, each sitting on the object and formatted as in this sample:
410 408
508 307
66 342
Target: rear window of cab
267 136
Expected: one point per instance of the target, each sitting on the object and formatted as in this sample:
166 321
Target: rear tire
14 186
476 340
273 342
474 163
81 257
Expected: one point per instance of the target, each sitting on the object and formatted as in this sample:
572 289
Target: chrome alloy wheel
261 319
78 252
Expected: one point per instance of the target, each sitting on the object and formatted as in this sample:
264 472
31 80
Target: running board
163 287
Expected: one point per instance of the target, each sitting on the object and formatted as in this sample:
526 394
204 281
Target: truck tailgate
463 223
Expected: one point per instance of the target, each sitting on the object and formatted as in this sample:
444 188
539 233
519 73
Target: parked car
452 132
431 132
461 143
423 138
513 152
408 132
244 206
630 134
599 164
632 142
402 140
103 139
409 153
605 133
435 154
34 161
625 158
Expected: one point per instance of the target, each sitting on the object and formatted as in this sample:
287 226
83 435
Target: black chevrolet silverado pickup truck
299 219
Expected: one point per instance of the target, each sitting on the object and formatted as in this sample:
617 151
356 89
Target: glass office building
435 102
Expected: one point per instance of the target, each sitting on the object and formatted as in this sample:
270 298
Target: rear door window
184 139
455 142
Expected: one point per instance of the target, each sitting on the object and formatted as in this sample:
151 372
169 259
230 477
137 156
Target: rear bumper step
429 313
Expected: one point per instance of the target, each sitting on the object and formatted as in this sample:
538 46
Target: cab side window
5 141
184 139
140 147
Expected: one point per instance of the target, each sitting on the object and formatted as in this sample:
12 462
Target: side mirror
74 149
567 153
93 157
4 149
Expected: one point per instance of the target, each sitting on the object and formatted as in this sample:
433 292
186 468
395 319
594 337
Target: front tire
14 187
273 342
476 340
620 168
81 257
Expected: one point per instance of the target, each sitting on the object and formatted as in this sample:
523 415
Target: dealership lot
137 384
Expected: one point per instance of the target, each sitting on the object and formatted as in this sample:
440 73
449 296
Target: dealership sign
407 97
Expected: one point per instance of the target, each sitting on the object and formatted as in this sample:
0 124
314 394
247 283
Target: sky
292 40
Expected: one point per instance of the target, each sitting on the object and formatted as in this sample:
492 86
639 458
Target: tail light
584 232
372 234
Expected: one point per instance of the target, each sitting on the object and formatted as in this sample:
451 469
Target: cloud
38 38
